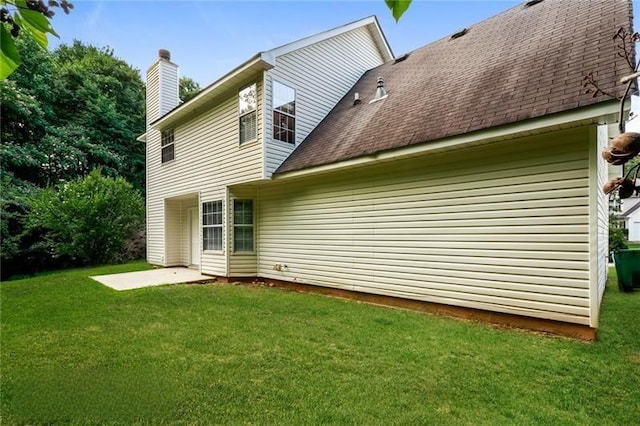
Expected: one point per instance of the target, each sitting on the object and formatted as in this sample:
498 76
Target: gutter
604 112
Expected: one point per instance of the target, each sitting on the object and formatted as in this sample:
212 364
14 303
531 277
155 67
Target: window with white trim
243 225
247 109
167 141
284 113
212 225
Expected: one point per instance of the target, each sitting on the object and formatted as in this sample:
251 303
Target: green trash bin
628 269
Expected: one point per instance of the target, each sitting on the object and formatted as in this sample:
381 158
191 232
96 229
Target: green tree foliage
70 111
90 219
188 89
14 200
617 235
398 7
64 113
100 105
25 16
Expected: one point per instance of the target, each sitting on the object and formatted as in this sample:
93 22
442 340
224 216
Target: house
630 214
464 177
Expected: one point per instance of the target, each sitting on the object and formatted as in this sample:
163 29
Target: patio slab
154 277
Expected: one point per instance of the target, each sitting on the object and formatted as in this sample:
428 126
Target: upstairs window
243 225
284 113
212 225
247 105
167 145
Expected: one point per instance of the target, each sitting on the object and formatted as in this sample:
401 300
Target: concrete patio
155 277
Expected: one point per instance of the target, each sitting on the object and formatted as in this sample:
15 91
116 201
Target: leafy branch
398 7
29 16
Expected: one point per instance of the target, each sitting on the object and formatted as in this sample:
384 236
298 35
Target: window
212 225
247 103
167 145
284 113
243 225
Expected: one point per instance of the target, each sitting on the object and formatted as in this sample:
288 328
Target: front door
194 236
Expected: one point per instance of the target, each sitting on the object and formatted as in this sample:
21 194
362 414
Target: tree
64 113
188 89
70 111
100 108
90 219
25 16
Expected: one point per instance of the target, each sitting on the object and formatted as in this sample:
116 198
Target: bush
89 220
617 239
136 247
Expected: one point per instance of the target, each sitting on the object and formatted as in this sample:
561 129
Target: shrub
89 220
136 247
617 239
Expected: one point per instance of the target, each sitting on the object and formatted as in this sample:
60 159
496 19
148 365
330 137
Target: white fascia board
381 40
142 138
259 61
371 21
605 112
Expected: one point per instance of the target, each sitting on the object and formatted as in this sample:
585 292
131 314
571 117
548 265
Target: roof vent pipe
381 93
356 98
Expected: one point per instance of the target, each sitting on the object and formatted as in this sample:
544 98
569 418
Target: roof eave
258 63
371 22
603 112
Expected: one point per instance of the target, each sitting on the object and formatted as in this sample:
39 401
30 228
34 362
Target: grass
633 245
76 352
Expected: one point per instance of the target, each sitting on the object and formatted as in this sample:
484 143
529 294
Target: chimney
162 86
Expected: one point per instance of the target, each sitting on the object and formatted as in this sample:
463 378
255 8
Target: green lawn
76 352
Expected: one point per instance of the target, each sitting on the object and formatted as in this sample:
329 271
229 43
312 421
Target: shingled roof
524 63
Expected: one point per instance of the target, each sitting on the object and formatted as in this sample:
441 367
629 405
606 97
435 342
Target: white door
195 236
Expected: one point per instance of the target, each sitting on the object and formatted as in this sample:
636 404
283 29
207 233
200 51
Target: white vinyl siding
153 96
321 75
210 159
501 228
600 219
169 97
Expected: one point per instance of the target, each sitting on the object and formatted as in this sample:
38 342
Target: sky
208 38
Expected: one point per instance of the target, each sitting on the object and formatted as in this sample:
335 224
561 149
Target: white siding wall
208 157
153 93
321 74
600 219
169 97
502 228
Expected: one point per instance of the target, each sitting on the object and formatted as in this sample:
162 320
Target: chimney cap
164 54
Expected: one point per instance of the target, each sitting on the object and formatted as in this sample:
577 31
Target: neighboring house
475 183
630 214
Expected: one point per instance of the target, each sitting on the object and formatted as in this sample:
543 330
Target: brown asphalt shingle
523 63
